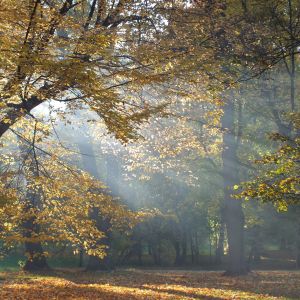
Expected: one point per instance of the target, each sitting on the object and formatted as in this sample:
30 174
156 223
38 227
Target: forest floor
149 284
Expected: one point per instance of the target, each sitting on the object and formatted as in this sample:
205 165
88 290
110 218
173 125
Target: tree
54 38
56 203
278 180
39 56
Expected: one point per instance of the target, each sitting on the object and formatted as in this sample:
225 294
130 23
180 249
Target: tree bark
177 253
17 111
36 260
220 247
233 213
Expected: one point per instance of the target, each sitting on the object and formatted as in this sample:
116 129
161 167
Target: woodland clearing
150 284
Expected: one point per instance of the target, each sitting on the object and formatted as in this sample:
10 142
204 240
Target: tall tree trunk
139 252
184 249
177 253
221 239
192 249
196 247
233 213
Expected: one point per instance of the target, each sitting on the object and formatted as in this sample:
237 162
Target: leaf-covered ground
141 284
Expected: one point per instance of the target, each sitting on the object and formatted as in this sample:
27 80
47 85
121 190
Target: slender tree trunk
220 246
80 263
196 248
233 213
177 253
139 250
192 249
155 255
184 249
159 252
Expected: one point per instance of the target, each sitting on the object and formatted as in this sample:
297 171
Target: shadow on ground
145 284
